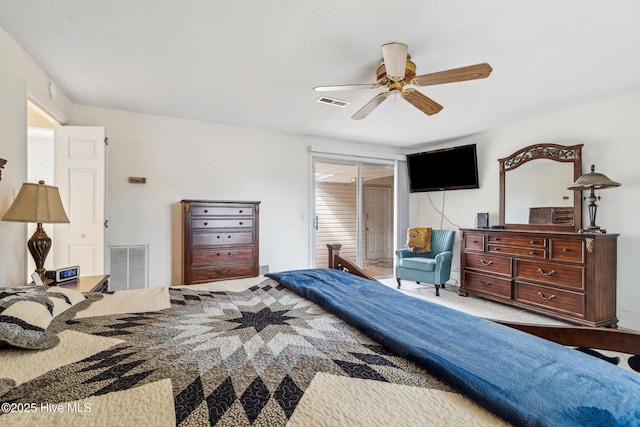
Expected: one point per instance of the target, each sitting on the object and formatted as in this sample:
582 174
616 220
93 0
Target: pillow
419 239
27 313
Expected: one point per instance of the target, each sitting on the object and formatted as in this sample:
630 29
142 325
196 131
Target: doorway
40 153
72 158
354 207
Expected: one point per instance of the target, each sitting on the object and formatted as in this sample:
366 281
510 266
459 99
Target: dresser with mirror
539 259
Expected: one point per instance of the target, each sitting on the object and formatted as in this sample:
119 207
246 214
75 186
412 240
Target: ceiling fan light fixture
410 71
395 58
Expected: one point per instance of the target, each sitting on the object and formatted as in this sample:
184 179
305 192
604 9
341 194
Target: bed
309 347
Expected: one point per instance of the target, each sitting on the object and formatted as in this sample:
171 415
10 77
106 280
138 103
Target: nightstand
88 284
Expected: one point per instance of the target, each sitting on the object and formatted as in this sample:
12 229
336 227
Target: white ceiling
254 62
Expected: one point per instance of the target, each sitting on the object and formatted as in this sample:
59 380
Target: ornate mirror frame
555 152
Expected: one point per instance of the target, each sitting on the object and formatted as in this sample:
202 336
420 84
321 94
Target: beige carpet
471 304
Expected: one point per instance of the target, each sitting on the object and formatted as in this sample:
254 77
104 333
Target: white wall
610 132
20 78
184 159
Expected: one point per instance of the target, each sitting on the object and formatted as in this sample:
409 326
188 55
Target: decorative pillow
26 314
419 239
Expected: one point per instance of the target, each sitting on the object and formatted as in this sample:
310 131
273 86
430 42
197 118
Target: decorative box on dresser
567 275
220 240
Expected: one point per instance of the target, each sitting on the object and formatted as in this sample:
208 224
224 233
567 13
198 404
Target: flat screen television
454 168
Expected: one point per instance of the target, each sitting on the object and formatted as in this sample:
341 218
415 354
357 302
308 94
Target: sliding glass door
353 203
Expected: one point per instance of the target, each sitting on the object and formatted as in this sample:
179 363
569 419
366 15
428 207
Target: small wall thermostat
63 274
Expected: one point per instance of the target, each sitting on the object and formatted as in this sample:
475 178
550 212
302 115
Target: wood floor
379 267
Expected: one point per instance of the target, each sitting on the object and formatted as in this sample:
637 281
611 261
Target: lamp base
39 245
595 229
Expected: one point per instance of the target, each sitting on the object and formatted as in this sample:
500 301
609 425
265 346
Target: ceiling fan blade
370 106
421 101
471 72
394 56
346 87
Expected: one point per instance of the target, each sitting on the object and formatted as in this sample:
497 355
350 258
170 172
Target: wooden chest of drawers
571 276
220 240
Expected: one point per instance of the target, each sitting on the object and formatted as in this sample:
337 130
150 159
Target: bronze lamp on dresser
590 182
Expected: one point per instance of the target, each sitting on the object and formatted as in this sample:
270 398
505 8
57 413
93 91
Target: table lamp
38 203
592 181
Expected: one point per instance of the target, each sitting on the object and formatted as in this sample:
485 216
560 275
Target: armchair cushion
418 263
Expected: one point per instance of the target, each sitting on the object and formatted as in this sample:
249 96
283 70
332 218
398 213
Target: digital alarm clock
63 274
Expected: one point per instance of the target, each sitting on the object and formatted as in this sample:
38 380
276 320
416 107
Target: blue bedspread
522 378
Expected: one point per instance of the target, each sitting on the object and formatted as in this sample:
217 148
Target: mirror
533 188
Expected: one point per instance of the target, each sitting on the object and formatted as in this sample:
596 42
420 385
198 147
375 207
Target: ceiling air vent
332 101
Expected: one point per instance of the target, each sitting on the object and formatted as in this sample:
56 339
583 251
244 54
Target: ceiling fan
397 71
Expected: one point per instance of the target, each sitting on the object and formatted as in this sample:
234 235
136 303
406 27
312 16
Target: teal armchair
429 267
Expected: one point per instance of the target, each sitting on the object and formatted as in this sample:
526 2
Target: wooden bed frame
623 341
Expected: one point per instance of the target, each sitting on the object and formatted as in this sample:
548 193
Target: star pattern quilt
248 353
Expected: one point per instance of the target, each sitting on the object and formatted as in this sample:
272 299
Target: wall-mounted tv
454 168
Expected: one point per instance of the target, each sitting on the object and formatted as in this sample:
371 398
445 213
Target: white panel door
80 174
376 220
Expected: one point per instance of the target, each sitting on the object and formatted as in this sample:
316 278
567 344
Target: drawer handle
223 272
541 295
206 211
532 242
497 239
474 241
217 237
532 253
541 271
483 262
240 222
483 283
240 211
228 253
229 236
565 249
206 223
496 249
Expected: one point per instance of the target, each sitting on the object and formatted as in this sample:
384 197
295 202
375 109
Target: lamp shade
37 203
593 180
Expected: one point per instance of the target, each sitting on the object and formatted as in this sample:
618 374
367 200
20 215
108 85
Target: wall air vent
129 267
332 101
